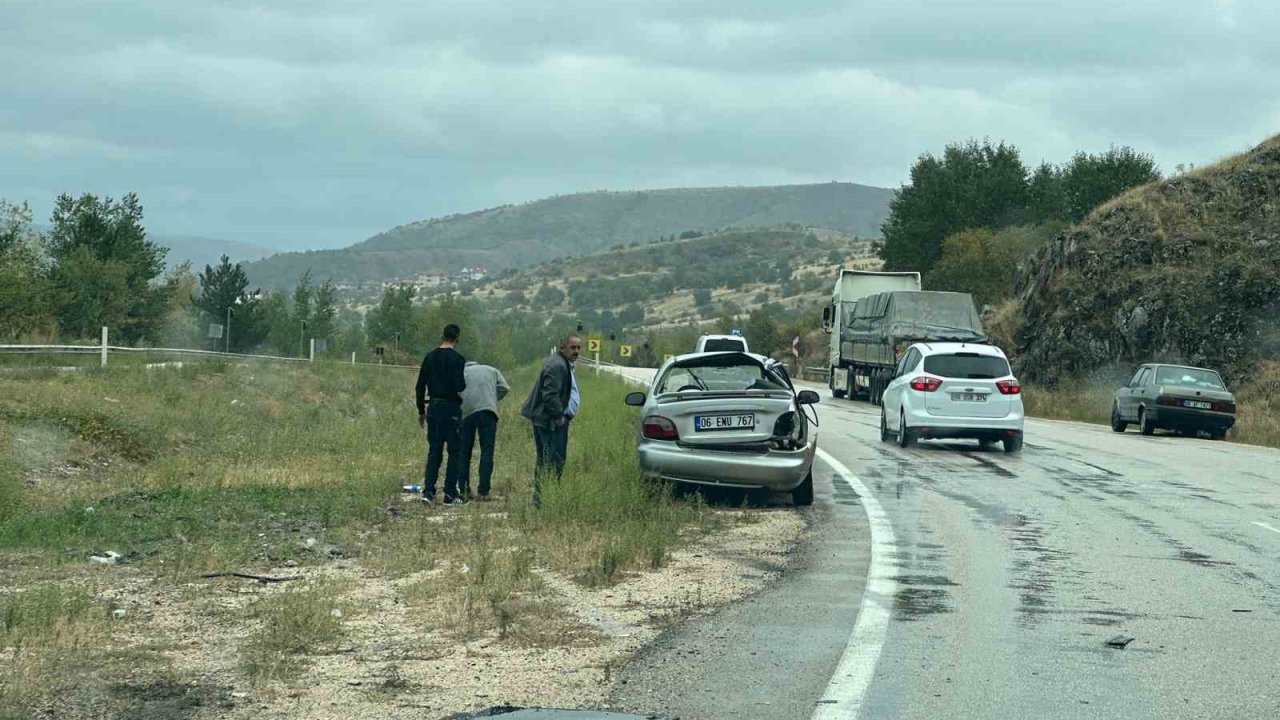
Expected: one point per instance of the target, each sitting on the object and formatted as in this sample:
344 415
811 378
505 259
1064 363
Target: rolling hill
516 236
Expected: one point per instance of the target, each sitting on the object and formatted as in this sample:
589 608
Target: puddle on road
915 603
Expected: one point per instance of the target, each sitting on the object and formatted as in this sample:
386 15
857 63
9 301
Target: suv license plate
1198 404
968 397
703 423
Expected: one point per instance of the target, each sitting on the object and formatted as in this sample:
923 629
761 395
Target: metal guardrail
104 352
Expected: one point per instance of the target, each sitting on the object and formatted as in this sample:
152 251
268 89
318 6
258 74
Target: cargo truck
870 333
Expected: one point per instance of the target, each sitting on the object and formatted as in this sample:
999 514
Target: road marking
844 694
1266 527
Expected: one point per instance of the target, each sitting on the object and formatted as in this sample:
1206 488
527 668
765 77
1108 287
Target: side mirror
807 397
636 399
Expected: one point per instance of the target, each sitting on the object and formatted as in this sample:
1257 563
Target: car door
1124 395
893 393
1138 392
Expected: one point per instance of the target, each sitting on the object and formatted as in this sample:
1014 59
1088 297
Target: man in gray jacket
485 388
551 406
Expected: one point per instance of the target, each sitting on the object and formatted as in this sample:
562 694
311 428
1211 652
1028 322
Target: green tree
972 185
548 296
701 296
1090 180
980 262
105 268
762 332
324 310
25 292
224 297
394 314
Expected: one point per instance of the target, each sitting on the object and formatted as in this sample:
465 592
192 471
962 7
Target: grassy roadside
218 467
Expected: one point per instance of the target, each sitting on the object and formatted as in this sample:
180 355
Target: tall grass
227 467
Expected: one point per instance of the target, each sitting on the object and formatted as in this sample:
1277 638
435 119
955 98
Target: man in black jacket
442 380
551 406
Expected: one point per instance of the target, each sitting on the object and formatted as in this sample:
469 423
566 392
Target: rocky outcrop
1182 270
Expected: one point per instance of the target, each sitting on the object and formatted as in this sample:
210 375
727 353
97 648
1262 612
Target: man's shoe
455 501
428 500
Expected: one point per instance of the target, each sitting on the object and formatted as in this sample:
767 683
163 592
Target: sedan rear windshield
1189 377
968 366
744 375
723 344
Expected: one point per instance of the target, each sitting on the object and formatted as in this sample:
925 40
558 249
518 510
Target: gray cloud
310 123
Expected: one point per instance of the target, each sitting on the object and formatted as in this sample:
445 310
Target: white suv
953 390
721 343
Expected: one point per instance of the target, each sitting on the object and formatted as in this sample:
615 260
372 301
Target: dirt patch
405 651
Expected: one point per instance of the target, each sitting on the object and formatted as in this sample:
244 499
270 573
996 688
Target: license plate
968 397
1198 404
703 423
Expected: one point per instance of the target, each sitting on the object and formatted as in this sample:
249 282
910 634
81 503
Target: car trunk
743 419
1219 400
968 386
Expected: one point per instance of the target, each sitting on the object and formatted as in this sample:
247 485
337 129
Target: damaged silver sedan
728 419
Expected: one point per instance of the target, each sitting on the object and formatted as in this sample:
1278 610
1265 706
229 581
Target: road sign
667 357
593 344
624 350
215 330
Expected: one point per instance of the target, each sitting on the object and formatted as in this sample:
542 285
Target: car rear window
970 366
731 375
723 345
1189 377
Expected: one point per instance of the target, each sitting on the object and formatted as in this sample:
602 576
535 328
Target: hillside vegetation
524 235
721 275
1183 270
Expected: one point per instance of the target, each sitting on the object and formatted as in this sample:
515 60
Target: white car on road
953 390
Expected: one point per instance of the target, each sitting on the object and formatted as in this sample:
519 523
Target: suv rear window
969 366
722 345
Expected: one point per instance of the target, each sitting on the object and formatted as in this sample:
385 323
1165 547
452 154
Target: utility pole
302 340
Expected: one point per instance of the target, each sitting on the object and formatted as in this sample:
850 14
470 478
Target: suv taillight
656 427
924 383
1008 387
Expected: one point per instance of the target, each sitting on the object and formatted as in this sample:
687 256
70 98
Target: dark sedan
1175 397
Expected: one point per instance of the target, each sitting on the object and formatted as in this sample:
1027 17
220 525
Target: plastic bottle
412 488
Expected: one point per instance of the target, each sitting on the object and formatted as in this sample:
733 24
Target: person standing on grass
442 380
485 389
551 406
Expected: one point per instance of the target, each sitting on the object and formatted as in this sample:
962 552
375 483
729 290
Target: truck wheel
837 393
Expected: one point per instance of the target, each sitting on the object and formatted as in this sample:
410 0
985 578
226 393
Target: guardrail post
313 349
353 357
597 362
104 346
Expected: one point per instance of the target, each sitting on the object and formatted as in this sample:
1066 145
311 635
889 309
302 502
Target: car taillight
1008 387
924 383
1225 406
1168 400
656 427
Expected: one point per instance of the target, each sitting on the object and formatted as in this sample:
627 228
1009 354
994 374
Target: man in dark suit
551 406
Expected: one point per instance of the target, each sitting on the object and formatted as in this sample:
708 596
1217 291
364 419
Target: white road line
1266 526
844 695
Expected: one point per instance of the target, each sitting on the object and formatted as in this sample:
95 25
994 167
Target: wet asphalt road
1011 573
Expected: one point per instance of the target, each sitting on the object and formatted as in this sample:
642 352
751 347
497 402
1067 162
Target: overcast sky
310 123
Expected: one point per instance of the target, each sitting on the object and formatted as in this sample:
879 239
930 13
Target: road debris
110 557
1119 641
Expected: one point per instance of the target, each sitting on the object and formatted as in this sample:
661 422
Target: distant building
473 274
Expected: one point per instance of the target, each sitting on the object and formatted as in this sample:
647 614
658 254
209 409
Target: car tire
802 496
1144 423
884 426
1117 424
1013 443
906 438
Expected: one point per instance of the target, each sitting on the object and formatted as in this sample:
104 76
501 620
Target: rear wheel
906 438
1144 423
1013 443
802 496
1117 424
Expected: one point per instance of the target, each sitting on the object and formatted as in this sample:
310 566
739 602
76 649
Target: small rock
119 613
310 542
290 563
239 695
89 510
335 613
355 683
